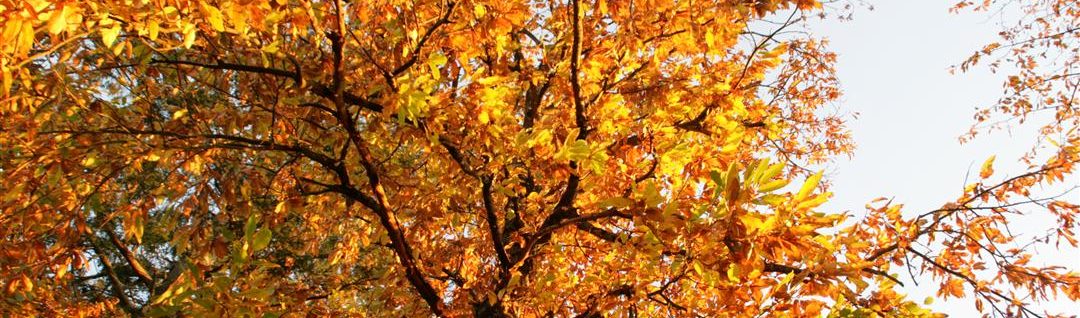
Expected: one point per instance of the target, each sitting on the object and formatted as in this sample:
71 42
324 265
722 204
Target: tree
455 158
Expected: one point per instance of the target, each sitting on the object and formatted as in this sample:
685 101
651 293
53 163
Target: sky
893 63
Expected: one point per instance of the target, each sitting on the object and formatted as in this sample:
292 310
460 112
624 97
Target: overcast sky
893 63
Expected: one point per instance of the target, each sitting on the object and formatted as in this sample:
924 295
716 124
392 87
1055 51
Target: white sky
893 63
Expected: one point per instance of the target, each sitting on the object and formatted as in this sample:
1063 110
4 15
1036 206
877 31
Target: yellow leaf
479 10
61 271
515 279
773 185
787 278
780 49
108 36
119 47
816 201
752 223
189 35
213 15
484 117
710 38
58 21
6 82
489 80
887 284
772 171
272 48
179 113
152 29
809 186
730 147
617 202
987 168
89 161
26 37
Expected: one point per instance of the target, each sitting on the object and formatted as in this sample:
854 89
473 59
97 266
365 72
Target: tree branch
971 281
493 225
118 286
140 271
414 55
379 204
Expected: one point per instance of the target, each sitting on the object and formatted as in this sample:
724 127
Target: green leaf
162 311
260 240
258 293
579 150
251 225
717 177
205 302
732 187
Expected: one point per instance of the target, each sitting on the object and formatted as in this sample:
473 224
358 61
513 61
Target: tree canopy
605 158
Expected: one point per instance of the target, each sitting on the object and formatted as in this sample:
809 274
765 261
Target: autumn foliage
605 158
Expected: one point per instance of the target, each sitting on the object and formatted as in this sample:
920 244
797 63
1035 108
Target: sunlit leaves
440 164
58 20
987 168
808 186
260 239
213 16
108 35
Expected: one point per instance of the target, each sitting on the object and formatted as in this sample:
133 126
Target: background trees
452 158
